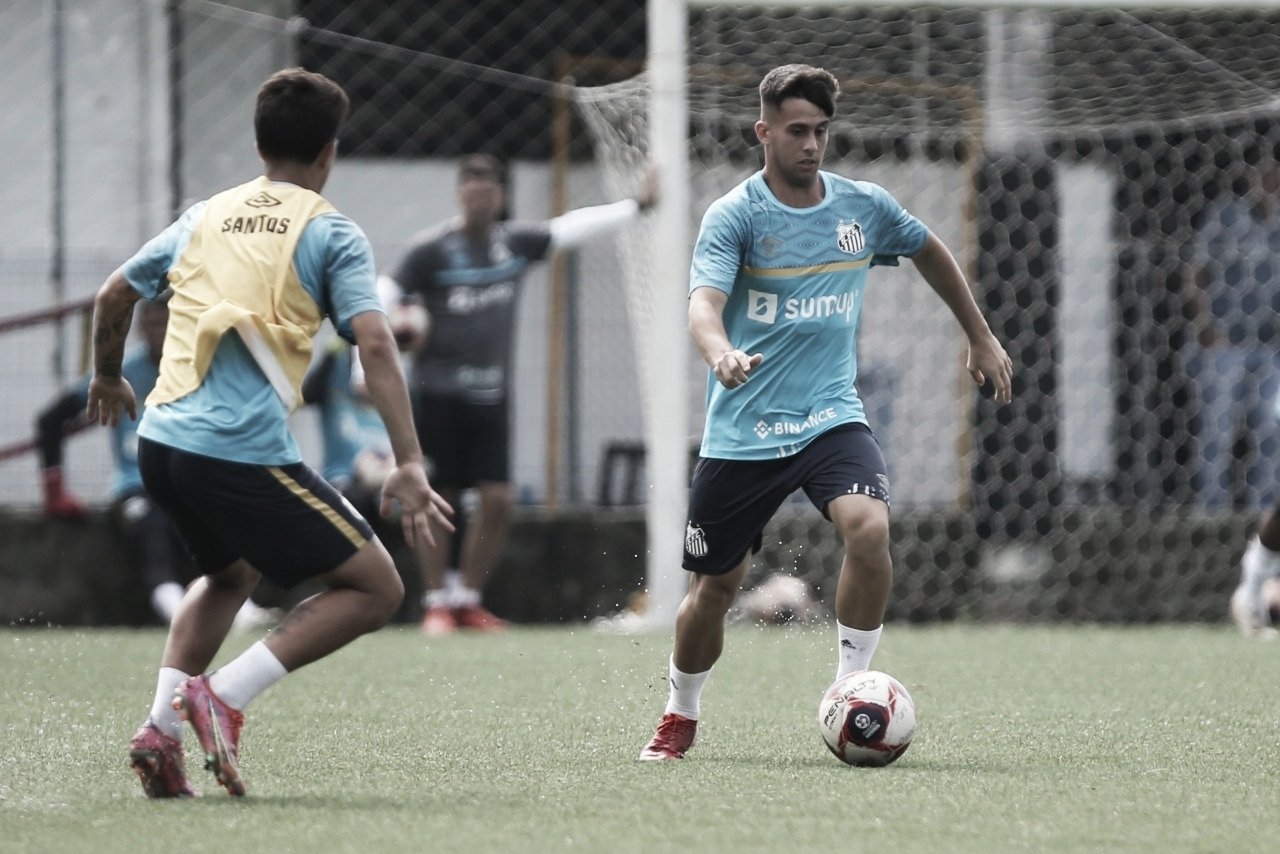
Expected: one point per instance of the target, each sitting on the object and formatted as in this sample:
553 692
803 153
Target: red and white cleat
157 760
217 725
674 736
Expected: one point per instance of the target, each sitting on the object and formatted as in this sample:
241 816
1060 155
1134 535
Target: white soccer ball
867 718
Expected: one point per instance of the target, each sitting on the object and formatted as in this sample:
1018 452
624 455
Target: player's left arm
421 506
987 358
357 314
109 392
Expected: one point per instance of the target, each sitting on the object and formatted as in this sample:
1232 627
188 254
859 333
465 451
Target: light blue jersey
795 279
235 414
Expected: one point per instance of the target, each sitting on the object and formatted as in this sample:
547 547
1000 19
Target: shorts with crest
289 523
730 501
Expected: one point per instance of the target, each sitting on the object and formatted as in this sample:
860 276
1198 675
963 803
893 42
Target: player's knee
865 533
715 593
238 577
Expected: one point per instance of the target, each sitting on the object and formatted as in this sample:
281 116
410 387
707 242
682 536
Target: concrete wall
558 567
571 566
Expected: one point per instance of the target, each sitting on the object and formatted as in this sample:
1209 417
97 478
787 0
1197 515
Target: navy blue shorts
289 523
730 501
465 443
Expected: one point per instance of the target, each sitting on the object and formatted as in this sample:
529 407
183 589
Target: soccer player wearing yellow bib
775 295
254 271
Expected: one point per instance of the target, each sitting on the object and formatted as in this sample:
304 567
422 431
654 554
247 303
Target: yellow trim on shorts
814 270
335 518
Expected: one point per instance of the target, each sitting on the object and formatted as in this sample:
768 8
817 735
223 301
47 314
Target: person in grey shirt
466 273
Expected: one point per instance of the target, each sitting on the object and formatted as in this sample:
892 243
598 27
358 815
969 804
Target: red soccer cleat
478 618
674 736
437 622
217 725
157 760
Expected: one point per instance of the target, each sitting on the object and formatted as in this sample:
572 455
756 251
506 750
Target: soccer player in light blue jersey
254 272
776 290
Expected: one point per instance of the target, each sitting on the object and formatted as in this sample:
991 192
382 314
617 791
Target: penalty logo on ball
867 718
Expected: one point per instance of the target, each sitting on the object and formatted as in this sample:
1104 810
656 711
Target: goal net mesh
1075 162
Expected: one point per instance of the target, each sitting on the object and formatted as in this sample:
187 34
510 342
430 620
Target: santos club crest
849 237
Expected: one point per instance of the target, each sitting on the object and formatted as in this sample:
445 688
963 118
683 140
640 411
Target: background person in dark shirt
466 272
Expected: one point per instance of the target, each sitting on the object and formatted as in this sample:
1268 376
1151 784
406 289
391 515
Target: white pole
156 199
667 425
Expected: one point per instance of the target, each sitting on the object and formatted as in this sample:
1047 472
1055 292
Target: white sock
163 714
248 675
1258 564
165 599
856 647
452 579
465 597
685 698
436 599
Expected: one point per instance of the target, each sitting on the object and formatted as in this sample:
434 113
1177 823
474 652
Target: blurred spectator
154 545
1234 358
356 449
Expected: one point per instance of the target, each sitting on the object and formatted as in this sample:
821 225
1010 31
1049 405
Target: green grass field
1030 739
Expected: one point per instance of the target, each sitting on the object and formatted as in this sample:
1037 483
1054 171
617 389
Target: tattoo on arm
109 335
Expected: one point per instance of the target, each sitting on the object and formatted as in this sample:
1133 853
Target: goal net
1077 161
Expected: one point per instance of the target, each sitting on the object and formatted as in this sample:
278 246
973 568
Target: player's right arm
143 275
706 324
717 259
109 392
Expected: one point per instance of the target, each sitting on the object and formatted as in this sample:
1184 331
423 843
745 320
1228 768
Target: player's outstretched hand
108 397
420 505
989 361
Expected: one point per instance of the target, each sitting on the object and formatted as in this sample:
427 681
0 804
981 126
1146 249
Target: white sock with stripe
163 714
856 647
246 676
685 698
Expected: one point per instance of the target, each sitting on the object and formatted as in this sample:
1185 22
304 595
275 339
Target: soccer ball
867 718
